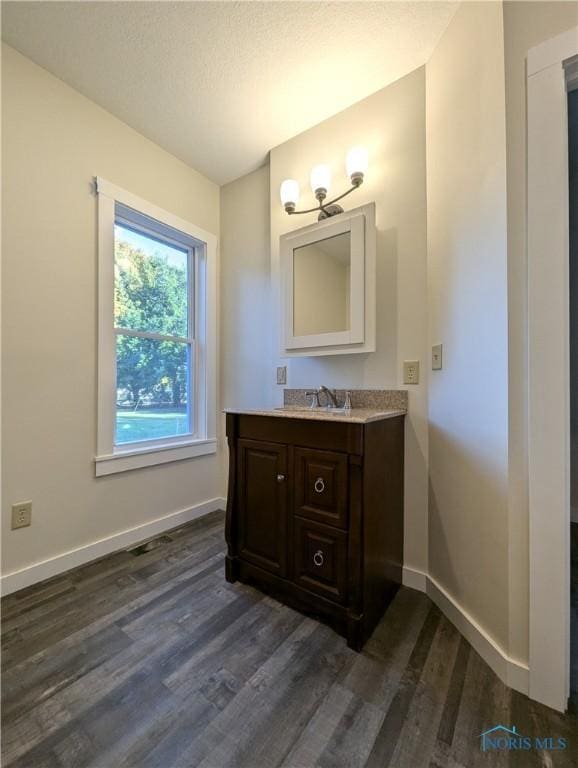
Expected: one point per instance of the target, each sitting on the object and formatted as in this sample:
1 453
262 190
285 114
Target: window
156 335
154 328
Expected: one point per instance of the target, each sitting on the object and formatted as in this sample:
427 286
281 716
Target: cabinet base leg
231 569
355 633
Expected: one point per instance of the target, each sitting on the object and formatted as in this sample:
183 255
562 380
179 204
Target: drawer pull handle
319 485
280 478
318 558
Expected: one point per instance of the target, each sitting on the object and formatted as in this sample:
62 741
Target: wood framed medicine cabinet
328 275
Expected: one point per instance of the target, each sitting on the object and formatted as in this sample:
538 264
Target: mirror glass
321 280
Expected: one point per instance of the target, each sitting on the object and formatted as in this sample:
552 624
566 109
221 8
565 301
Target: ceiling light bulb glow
289 193
320 178
356 163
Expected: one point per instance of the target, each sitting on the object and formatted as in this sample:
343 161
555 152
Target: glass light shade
289 191
356 161
320 178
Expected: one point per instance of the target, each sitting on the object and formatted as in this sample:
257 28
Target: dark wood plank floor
156 661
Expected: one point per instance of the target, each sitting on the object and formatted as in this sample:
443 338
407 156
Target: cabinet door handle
318 558
319 485
280 478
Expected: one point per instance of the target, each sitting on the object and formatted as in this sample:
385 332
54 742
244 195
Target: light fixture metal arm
323 206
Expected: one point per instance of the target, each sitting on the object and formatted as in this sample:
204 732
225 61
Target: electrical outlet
436 357
411 372
282 374
21 514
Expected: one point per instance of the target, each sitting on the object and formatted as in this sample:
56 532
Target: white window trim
110 458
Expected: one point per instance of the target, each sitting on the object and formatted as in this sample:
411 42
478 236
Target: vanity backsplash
376 399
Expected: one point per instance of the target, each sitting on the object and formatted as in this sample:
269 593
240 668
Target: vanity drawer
320 559
321 486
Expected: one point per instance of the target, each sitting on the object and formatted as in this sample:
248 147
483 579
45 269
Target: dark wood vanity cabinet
262 504
315 515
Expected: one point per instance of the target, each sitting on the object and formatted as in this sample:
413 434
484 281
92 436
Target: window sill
150 457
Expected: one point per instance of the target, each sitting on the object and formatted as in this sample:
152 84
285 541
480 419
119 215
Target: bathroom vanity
315 509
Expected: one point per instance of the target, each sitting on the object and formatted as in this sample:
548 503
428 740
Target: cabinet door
262 504
321 486
320 554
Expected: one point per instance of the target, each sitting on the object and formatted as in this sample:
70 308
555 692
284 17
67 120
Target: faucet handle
330 395
314 395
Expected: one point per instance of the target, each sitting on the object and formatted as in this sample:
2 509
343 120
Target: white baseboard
32 574
414 579
513 673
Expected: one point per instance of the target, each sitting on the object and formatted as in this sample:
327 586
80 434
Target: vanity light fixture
356 166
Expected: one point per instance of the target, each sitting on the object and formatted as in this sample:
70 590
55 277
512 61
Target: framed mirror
325 288
322 286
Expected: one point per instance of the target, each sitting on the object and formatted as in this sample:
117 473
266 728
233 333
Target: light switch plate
282 374
436 357
411 372
21 515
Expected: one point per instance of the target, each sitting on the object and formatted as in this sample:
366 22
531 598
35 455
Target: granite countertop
368 405
355 415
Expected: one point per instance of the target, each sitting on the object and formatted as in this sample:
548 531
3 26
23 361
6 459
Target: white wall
54 142
467 295
246 371
391 124
573 275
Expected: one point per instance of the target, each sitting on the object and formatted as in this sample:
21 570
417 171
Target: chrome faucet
330 396
322 390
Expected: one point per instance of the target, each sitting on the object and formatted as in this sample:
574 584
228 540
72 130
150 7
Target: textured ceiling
219 84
